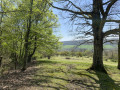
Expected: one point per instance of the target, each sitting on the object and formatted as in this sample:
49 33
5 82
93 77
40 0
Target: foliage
27 26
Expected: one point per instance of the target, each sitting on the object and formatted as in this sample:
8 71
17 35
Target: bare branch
101 8
117 21
114 31
89 15
109 6
111 41
106 3
75 12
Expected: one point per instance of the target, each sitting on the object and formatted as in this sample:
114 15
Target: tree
96 14
4 5
27 25
1 17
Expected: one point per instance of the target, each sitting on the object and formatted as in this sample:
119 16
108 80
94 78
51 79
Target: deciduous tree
95 13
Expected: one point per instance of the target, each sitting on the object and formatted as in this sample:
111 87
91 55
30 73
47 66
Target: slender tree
27 25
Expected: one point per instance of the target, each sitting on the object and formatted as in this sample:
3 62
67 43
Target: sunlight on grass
60 73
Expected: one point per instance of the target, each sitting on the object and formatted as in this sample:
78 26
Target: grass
88 47
59 73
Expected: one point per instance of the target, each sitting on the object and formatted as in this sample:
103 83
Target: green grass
89 47
62 74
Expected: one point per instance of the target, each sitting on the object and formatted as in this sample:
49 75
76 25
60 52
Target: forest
33 57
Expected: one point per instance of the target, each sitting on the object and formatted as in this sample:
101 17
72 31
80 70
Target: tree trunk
49 57
29 23
35 47
0 61
15 62
29 58
97 25
26 53
119 51
98 55
118 56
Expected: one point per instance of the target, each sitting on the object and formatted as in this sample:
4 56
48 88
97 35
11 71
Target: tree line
26 29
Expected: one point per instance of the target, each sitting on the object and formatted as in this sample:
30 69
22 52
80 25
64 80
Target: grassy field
60 73
88 47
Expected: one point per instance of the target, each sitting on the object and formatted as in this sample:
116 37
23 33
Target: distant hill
83 42
83 45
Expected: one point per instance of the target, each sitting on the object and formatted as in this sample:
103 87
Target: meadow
88 47
60 73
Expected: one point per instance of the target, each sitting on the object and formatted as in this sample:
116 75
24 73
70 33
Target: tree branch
75 12
12 11
106 3
114 31
101 8
117 21
89 15
109 6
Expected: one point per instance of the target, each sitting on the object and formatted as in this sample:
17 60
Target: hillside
83 45
83 42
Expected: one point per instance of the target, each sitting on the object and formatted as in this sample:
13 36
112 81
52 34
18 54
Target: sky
65 26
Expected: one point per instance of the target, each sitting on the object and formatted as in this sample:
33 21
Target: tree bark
29 22
119 51
98 55
35 47
49 57
0 61
97 25
29 58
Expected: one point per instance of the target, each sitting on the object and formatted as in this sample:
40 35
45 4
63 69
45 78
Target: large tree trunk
98 55
119 51
118 55
97 26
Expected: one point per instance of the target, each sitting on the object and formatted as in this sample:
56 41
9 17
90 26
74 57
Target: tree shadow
104 81
29 78
18 80
46 62
46 79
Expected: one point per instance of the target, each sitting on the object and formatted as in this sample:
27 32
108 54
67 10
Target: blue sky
65 26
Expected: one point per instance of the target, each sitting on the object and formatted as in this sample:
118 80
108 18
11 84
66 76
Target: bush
111 54
79 54
65 53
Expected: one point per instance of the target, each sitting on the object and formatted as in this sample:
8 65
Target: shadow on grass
104 81
30 78
46 80
46 62
19 80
